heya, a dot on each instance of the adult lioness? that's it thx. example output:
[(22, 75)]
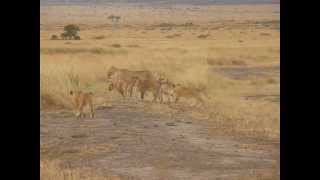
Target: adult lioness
[(122, 85), (80, 100), (190, 92), (143, 75), (127, 78), (151, 85), (166, 89)]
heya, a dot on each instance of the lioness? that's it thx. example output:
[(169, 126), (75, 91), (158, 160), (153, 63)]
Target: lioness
[(80, 100), (151, 85), (122, 85), (166, 88), (127, 78), (190, 92)]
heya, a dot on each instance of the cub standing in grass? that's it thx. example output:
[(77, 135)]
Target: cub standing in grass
[(81, 100)]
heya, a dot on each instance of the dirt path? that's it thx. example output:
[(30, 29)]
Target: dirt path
[(129, 141)]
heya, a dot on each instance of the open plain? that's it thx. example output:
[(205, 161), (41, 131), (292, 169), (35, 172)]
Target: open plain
[(234, 50)]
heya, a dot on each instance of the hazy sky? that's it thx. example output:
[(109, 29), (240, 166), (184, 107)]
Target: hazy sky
[(159, 1)]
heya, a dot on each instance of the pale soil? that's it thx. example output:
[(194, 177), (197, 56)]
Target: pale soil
[(131, 141)]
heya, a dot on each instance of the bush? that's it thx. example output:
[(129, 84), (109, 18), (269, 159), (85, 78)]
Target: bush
[(116, 45), (99, 37), (54, 37), (203, 36), (77, 38), (64, 36), (70, 31)]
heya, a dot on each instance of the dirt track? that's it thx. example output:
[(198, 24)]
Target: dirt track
[(130, 141)]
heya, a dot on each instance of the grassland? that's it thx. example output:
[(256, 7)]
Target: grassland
[(233, 50), (239, 36)]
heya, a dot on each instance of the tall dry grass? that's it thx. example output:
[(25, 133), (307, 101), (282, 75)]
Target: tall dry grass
[(61, 73)]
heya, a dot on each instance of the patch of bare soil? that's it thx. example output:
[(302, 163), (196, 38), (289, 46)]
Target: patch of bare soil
[(240, 73), (134, 142)]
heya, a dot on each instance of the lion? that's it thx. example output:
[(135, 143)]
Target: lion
[(190, 92), (145, 74), (81, 100), (126, 79), (166, 88), (123, 84), (145, 85)]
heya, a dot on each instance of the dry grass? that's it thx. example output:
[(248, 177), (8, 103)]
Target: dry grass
[(187, 60), (225, 62), (99, 37), (82, 50), (51, 170), (203, 36), (116, 45)]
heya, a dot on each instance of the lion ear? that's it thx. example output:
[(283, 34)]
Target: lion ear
[(71, 92)]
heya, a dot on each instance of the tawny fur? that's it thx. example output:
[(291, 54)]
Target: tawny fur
[(190, 92), (125, 80), (80, 100), (166, 89)]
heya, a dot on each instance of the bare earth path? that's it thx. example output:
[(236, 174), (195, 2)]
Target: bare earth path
[(128, 141)]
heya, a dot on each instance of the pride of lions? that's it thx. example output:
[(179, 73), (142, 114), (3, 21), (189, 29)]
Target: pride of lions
[(128, 82)]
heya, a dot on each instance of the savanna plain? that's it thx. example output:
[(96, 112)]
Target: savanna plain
[(232, 50)]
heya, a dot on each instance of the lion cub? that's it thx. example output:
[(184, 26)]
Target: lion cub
[(80, 100)]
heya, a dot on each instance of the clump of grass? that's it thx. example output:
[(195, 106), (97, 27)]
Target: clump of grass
[(165, 25), (203, 36), (225, 62), (263, 81), (173, 36), (265, 34), (133, 45), (271, 81), (100, 37), (166, 29), (116, 45), (188, 24), (149, 28)]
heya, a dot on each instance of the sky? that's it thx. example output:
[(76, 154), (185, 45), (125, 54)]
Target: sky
[(159, 1)]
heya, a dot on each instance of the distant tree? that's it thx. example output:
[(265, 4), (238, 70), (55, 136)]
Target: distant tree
[(114, 19), (71, 31), (64, 36)]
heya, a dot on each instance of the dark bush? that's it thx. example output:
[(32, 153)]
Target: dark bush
[(54, 37)]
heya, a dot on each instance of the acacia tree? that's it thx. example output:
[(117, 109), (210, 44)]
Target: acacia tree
[(71, 31)]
